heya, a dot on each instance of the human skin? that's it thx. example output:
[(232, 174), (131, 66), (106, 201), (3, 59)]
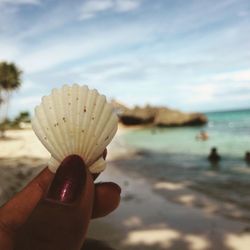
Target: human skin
[(54, 210)]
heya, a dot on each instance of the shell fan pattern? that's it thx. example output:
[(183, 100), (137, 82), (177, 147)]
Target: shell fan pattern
[(75, 120)]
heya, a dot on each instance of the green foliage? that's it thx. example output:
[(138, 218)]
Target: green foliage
[(22, 117), (10, 76), (10, 80), (6, 124)]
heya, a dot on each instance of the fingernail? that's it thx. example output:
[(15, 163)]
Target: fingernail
[(116, 186), (69, 180)]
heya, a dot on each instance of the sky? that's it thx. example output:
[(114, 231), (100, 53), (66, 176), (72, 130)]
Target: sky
[(192, 55)]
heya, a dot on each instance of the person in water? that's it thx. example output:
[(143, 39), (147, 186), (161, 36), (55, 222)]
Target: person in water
[(203, 136), (54, 210), (214, 157), (247, 157)]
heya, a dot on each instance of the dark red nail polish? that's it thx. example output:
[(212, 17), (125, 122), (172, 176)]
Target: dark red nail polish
[(69, 180)]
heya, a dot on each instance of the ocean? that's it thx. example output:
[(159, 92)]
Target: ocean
[(228, 131)]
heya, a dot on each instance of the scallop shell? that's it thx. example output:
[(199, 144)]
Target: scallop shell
[(75, 120)]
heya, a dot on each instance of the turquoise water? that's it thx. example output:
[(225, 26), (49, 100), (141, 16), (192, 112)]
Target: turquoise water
[(228, 131)]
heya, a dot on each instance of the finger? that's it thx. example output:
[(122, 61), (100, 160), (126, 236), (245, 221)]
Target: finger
[(60, 221), (15, 212), (106, 200)]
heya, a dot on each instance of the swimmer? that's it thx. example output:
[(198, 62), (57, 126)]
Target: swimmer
[(247, 157), (203, 136), (214, 156)]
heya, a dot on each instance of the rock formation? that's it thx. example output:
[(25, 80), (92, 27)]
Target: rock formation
[(160, 116)]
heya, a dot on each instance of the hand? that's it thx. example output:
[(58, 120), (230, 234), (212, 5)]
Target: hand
[(53, 211)]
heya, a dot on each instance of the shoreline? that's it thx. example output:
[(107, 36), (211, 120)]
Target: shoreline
[(146, 219), (228, 192), (227, 189), (158, 210)]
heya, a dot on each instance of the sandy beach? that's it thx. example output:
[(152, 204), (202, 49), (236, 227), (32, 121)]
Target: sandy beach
[(180, 210)]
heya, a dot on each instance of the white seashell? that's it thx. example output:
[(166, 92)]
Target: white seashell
[(75, 120)]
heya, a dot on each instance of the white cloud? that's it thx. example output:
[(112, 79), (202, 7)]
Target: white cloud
[(241, 75), (18, 2), (127, 5), (8, 50), (162, 56), (80, 46), (91, 8), (10, 22), (202, 93)]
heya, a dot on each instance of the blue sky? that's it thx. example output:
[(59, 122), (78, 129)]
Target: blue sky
[(192, 55)]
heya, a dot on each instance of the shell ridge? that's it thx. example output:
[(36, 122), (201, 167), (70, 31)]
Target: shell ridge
[(47, 135), (51, 115), (87, 123), (105, 121), (51, 128), (77, 118), (69, 107), (102, 137), (39, 133), (84, 122), (64, 127), (56, 104), (83, 91), (56, 124), (39, 121), (52, 164), (92, 108), (99, 149), (73, 110), (97, 116), (105, 137), (103, 117), (68, 121), (98, 165)]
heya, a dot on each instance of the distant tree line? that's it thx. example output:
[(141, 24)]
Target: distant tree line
[(10, 80)]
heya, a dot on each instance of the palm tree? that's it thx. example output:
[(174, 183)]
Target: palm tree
[(10, 80)]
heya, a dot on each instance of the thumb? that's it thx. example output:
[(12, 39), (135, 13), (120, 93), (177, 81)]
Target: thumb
[(61, 219)]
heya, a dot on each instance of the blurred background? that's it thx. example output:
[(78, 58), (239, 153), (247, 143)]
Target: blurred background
[(178, 76)]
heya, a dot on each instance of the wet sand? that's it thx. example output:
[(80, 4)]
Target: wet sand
[(147, 219), (183, 210)]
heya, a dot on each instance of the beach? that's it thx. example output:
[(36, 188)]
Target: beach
[(178, 208)]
